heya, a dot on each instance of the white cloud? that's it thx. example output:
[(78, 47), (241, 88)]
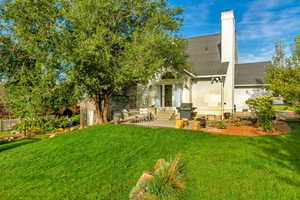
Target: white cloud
[(198, 15), (263, 23), (263, 19)]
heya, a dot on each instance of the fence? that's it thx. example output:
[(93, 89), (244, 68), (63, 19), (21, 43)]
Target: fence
[(7, 124)]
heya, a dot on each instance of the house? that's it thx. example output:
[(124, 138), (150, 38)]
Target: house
[(216, 83)]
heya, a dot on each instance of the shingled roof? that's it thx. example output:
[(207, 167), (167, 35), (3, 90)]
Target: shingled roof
[(250, 73), (204, 55)]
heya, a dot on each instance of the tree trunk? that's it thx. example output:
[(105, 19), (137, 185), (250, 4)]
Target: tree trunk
[(102, 108)]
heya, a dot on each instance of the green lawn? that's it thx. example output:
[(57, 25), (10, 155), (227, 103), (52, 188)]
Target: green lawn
[(4, 132), (105, 162), (285, 107)]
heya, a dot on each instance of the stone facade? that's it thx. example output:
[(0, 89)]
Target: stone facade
[(125, 99)]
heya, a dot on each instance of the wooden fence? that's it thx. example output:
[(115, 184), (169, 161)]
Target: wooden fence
[(7, 124)]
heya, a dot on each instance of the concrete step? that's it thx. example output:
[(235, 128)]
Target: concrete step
[(164, 115)]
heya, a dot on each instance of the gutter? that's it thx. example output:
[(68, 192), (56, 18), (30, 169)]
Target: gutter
[(251, 85), (203, 76)]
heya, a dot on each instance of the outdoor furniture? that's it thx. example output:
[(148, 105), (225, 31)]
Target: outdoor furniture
[(196, 125), (179, 124), (136, 115), (202, 121), (227, 115), (186, 111), (185, 122)]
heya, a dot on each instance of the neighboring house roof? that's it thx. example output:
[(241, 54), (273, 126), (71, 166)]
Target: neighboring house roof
[(250, 73), (204, 55)]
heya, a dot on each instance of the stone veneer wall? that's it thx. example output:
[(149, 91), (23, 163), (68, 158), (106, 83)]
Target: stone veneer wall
[(126, 99)]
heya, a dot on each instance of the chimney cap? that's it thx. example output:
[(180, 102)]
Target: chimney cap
[(228, 14)]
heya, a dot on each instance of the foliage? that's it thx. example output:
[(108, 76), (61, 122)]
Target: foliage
[(262, 106), (167, 183), (285, 107), (283, 76), (75, 118), (221, 125), (99, 46), (42, 124), (33, 88)]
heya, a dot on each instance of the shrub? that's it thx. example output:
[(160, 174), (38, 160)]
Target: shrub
[(75, 118), (41, 124), (238, 124), (262, 106), (221, 125)]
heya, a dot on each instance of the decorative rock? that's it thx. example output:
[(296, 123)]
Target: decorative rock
[(138, 192), (73, 128), (146, 177)]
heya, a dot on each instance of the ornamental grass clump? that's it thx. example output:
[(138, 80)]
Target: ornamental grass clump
[(164, 182), (262, 106), (167, 183)]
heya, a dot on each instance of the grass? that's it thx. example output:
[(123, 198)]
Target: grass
[(104, 162), (286, 107), (4, 132)]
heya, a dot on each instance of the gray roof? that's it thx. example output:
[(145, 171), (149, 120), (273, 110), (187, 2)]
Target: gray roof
[(204, 55), (250, 73)]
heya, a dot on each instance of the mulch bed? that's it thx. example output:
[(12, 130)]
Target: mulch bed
[(281, 127)]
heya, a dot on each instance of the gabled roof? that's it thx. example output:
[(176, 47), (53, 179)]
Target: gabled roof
[(250, 73), (204, 55)]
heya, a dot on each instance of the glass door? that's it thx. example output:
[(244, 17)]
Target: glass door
[(168, 95)]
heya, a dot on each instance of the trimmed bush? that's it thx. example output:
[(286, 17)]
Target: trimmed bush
[(262, 106)]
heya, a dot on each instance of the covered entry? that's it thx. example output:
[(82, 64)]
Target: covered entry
[(168, 95)]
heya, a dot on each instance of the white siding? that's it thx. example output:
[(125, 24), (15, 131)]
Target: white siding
[(206, 97), (241, 95), (186, 92)]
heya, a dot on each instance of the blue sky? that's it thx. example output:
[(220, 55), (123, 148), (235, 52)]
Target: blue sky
[(259, 23)]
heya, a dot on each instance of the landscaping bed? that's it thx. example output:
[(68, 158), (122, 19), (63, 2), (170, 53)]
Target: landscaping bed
[(281, 127)]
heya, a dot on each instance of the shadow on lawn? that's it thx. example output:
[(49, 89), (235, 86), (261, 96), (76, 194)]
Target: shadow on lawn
[(284, 151), (10, 145)]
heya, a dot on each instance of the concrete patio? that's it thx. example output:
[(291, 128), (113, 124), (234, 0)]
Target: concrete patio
[(244, 130), (159, 124)]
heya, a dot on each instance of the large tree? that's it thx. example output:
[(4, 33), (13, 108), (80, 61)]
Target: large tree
[(33, 89), (283, 76), (99, 45)]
